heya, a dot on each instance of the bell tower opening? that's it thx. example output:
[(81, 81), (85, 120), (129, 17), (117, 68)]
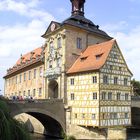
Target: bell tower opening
[(53, 89), (78, 7)]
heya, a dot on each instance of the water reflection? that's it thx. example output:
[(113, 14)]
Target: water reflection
[(42, 137)]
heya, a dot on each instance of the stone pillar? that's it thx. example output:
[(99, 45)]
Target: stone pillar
[(117, 133)]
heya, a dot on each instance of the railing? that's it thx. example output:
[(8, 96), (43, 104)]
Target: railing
[(36, 101), (52, 72)]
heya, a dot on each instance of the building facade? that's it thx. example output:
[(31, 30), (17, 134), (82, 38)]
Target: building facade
[(25, 78), (82, 65)]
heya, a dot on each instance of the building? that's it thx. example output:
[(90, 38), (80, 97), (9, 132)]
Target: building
[(25, 78), (84, 66)]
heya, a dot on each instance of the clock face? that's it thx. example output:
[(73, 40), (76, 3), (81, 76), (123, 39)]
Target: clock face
[(52, 27)]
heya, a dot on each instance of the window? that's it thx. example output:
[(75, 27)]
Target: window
[(93, 116), (34, 73), (41, 71), (120, 68), (94, 79), (109, 95), (28, 92), (111, 115), (98, 56), (40, 92), (126, 96), (103, 95), (72, 81), (111, 67), (104, 116), (105, 79), (59, 43), (115, 115), (24, 76), (19, 93), (83, 58), (51, 48), (72, 96), (58, 62), (75, 116), (94, 95), (29, 75), (79, 43), (83, 115), (115, 56), (50, 64), (34, 92), (20, 78), (125, 81), (24, 93), (115, 80), (118, 96), (125, 115)]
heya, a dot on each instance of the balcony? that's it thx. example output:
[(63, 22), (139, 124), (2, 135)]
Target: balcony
[(52, 73)]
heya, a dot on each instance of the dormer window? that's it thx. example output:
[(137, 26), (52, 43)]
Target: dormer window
[(98, 56), (83, 58)]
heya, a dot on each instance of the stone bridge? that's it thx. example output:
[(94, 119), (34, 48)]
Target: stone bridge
[(135, 110), (50, 113)]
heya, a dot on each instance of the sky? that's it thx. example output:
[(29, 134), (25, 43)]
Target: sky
[(22, 22)]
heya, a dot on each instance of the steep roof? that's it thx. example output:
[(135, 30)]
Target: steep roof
[(93, 58)]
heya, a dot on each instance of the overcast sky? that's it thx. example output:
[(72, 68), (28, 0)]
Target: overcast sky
[(22, 22)]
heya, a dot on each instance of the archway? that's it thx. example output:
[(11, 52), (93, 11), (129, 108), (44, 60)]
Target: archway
[(53, 89), (51, 126)]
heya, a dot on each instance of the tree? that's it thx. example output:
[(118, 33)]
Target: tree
[(136, 87), (11, 129)]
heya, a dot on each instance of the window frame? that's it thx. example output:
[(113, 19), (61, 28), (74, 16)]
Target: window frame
[(105, 79), (72, 81), (110, 96), (72, 96), (94, 95), (94, 79), (79, 43), (115, 80)]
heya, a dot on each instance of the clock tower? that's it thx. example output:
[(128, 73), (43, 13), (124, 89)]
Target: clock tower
[(78, 7)]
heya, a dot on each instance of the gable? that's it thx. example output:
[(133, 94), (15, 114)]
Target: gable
[(52, 27), (116, 63)]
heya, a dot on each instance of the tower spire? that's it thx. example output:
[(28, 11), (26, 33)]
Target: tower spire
[(77, 7)]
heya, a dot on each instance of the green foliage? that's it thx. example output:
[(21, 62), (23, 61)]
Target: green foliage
[(136, 87), (68, 137), (10, 129)]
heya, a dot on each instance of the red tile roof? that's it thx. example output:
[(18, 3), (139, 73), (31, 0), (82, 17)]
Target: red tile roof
[(33, 54), (27, 60), (93, 58)]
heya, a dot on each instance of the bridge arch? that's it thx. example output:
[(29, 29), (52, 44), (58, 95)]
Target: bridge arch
[(50, 114)]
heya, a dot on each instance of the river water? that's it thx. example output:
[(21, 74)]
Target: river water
[(131, 136), (42, 137)]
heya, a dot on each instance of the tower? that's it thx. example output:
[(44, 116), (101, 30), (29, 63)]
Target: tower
[(78, 7)]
